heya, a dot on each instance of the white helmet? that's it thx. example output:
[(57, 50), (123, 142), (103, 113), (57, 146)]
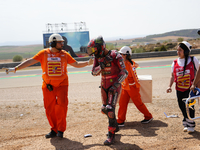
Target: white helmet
[(55, 37), (125, 50), (187, 44)]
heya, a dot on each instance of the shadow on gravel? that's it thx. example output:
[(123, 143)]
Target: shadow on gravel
[(146, 130), (195, 135), (118, 145), (66, 144)]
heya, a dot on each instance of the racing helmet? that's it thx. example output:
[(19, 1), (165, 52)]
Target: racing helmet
[(125, 50), (54, 38), (96, 45)]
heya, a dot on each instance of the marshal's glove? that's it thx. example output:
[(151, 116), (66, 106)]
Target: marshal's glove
[(10, 70)]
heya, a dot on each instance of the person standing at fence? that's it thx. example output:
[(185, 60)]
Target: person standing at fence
[(68, 48), (183, 73), (54, 63), (131, 89)]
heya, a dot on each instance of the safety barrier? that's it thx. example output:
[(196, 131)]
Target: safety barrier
[(133, 56)]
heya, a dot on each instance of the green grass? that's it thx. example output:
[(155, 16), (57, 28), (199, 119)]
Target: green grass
[(8, 52), (11, 55)]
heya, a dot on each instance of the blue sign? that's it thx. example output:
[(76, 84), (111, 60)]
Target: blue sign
[(77, 40)]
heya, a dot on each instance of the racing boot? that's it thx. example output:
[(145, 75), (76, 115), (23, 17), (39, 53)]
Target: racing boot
[(111, 136), (116, 130)]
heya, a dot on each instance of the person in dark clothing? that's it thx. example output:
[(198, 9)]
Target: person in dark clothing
[(68, 48)]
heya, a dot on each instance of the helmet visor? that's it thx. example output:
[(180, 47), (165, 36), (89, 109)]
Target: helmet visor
[(90, 50)]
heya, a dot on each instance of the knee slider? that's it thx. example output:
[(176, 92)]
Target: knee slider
[(111, 115), (109, 109)]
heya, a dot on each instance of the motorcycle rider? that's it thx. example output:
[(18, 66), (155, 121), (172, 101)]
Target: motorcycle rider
[(108, 63)]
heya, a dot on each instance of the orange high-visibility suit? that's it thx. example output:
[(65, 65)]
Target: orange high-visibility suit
[(131, 89), (54, 72)]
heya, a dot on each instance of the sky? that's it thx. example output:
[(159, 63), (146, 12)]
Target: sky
[(26, 20)]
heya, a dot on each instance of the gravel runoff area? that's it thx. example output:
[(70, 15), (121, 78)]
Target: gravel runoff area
[(23, 123)]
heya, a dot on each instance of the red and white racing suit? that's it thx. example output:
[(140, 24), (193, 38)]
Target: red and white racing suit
[(113, 72)]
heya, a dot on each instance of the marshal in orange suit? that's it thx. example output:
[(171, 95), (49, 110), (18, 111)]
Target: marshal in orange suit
[(131, 89), (54, 63)]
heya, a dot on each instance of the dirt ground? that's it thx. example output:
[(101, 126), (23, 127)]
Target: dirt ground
[(23, 123)]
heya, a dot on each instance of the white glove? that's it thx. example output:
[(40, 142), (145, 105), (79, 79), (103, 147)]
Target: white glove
[(10, 70), (91, 61)]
